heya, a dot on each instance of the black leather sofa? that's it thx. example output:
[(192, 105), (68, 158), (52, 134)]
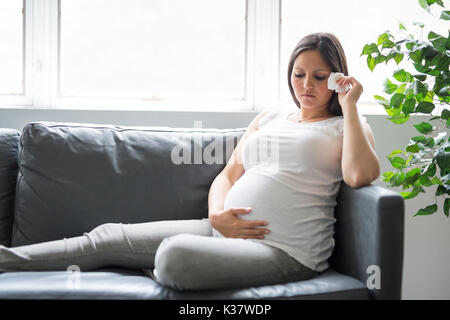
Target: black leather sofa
[(62, 179)]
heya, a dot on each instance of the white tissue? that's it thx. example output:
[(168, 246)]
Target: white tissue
[(332, 84)]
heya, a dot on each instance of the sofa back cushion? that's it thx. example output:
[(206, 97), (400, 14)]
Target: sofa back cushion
[(9, 141), (74, 177)]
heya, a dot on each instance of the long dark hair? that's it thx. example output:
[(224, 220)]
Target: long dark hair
[(331, 50)]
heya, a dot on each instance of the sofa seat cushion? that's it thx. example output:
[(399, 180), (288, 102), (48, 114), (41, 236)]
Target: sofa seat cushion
[(132, 284)]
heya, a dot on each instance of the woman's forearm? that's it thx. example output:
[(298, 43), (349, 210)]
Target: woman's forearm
[(217, 193)]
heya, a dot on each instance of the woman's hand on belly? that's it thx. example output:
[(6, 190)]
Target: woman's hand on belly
[(228, 223)]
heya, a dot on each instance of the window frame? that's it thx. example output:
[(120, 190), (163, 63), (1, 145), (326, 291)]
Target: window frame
[(24, 98)]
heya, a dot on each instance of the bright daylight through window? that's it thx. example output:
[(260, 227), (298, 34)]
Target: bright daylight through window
[(209, 55)]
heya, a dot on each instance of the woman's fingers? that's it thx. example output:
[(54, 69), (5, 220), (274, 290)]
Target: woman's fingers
[(256, 232), (238, 211), (247, 229), (254, 223)]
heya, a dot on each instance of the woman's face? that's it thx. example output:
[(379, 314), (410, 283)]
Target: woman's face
[(309, 79)]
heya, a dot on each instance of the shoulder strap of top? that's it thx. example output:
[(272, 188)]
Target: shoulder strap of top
[(269, 115)]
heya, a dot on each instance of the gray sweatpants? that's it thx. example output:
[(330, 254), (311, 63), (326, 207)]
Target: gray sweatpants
[(181, 254)]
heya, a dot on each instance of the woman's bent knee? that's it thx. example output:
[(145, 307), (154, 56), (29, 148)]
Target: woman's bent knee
[(108, 236), (176, 263)]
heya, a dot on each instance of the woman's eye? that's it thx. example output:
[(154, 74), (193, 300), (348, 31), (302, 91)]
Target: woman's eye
[(302, 75)]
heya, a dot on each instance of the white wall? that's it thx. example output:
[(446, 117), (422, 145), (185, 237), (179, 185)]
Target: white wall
[(426, 255)]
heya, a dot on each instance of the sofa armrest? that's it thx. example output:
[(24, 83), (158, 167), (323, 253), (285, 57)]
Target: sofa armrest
[(369, 232), (9, 142)]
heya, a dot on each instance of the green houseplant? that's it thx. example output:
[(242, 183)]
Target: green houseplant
[(425, 161)]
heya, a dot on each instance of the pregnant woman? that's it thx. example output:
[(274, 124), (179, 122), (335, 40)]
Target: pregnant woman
[(271, 207)]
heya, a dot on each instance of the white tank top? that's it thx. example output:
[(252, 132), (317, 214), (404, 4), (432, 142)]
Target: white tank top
[(291, 179)]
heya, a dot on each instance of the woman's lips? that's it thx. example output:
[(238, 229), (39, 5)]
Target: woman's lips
[(308, 96)]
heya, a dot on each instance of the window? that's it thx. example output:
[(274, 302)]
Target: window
[(210, 55), (11, 48), (171, 49)]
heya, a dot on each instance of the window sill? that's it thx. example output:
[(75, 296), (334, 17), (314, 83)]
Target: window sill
[(363, 108)]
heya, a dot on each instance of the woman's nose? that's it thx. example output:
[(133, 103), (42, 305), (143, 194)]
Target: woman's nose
[(307, 83)]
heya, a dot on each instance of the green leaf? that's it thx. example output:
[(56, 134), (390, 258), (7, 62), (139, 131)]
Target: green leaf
[(371, 62), (416, 56), (413, 148), (398, 57), (393, 153), (424, 4), (440, 44), (419, 138), (425, 182), (440, 61), (412, 176), (427, 210), (443, 159), (445, 114), (397, 100), (421, 68), (386, 177), (430, 171), (421, 77), (396, 162), (369, 49), (445, 15), (408, 106), (401, 88), (419, 87), (409, 93), (433, 36), (388, 44), (401, 75), (443, 189), (399, 119), (429, 142), (397, 179), (412, 194), (410, 44), (391, 55), (424, 107), (379, 58), (382, 38), (437, 40), (436, 180), (389, 87), (446, 206), (423, 127), (381, 100)]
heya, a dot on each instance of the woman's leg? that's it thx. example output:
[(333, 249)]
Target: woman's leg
[(192, 262), (110, 244)]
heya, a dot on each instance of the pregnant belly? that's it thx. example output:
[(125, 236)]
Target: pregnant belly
[(269, 199), (298, 221)]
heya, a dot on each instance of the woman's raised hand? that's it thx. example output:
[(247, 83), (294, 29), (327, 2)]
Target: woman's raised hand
[(228, 223), (350, 97)]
